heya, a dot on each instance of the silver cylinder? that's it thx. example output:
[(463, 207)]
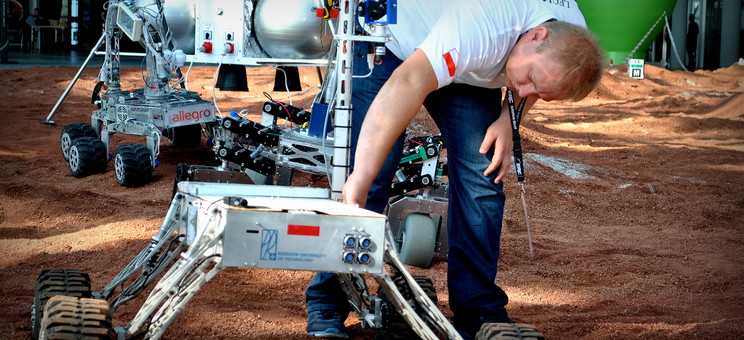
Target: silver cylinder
[(290, 29)]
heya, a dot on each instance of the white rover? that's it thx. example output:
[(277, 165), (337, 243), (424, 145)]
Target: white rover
[(212, 226)]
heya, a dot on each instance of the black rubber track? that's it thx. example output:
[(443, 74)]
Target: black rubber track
[(508, 331), (132, 165), (394, 326), (67, 317), (55, 282)]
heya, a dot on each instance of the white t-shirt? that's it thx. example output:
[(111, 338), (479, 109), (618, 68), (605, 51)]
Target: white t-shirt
[(468, 41)]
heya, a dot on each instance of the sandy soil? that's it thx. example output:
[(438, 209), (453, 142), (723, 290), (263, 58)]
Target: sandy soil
[(635, 201)]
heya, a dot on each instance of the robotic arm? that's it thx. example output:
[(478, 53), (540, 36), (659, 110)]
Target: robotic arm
[(143, 22)]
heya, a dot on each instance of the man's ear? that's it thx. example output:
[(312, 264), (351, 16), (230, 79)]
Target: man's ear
[(538, 34)]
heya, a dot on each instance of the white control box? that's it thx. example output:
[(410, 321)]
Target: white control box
[(129, 22)]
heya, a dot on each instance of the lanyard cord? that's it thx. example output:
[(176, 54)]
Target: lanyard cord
[(515, 113)]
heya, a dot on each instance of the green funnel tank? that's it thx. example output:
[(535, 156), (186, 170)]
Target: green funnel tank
[(621, 24)]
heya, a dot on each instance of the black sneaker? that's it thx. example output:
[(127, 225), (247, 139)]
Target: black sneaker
[(326, 323)]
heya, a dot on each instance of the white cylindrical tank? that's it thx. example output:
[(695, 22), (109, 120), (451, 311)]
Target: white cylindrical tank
[(290, 29)]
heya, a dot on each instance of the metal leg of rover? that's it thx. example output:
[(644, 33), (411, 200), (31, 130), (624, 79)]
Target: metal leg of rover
[(211, 226)]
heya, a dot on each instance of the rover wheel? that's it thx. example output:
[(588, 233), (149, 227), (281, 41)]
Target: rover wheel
[(508, 331), (132, 165), (394, 326), (68, 317), (182, 174), (419, 236), (184, 136), (96, 96), (72, 132), (87, 156), (53, 282)]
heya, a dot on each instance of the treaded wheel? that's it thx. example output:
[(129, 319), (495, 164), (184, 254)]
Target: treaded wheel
[(68, 317), (508, 331), (132, 165), (87, 156), (72, 132), (54, 282), (182, 174), (394, 326), (419, 234), (184, 136)]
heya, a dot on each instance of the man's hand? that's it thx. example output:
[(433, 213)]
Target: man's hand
[(498, 136), (356, 189)]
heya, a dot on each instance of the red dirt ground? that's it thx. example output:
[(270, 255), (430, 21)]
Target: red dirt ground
[(635, 201)]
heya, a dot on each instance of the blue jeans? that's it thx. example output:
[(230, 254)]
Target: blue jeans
[(476, 204), (463, 113), (324, 291)]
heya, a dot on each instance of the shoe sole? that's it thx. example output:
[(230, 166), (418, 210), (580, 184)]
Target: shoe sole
[(330, 333)]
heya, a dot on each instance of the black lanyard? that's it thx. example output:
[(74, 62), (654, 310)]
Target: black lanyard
[(515, 113)]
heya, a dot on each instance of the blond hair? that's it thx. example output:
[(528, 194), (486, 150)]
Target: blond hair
[(577, 50)]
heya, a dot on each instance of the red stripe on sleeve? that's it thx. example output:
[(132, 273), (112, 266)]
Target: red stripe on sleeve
[(450, 63)]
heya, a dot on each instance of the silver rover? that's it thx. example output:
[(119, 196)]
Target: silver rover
[(212, 226)]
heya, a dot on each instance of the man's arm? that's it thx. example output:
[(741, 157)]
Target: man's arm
[(499, 136), (393, 108)]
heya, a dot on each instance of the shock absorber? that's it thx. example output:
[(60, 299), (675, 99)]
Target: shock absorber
[(379, 31)]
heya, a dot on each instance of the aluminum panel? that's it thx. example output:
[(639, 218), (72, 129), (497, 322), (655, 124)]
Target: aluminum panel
[(302, 241)]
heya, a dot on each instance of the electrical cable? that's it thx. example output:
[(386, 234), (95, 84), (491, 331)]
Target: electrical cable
[(286, 85), (413, 141), (185, 78), (289, 114)]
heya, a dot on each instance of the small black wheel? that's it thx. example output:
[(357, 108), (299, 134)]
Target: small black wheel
[(394, 326), (419, 237), (72, 132), (508, 331), (53, 282), (185, 136), (87, 156), (133, 165), (96, 97), (182, 174), (68, 317)]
